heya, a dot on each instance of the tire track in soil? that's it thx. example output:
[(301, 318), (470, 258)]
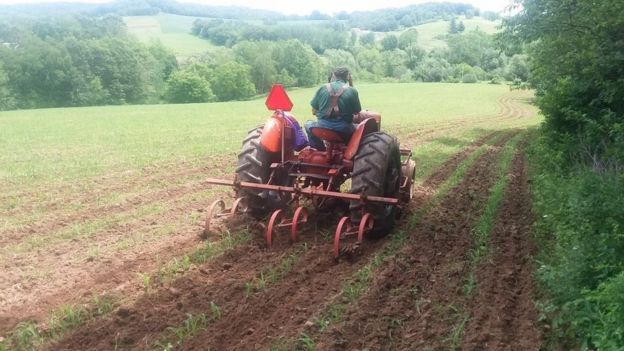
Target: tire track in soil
[(503, 316), (315, 277), (511, 109), (406, 306)]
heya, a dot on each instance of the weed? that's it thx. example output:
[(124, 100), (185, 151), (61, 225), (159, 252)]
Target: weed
[(457, 333), (305, 342), (280, 345), (25, 336), (190, 327), (469, 285), (146, 281), (215, 311), (249, 289), (102, 305)]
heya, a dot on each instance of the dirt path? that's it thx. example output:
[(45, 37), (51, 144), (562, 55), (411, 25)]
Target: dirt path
[(246, 319), (411, 303), (502, 313)]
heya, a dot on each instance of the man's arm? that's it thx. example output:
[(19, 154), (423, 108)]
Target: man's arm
[(315, 101), (356, 102)]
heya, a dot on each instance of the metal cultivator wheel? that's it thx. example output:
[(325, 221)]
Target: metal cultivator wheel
[(347, 230)]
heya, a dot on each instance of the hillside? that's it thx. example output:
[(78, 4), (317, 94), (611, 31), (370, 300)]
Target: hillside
[(174, 31), (431, 35)]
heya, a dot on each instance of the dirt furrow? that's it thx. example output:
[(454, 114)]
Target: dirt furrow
[(502, 313), (59, 220), (57, 198), (285, 308), (247, 319), (410, 304), (68, 275)]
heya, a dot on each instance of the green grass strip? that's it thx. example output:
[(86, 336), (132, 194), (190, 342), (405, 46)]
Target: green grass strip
[(483, 226), (28, 335), (276, 273), (180, 265), (191, 326)]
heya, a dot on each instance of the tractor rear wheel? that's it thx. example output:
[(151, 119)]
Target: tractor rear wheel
[(376, 172), (254, 166)]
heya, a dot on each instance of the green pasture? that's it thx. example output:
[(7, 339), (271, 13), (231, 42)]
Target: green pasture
[(63, 144), (432, 35), (173, 31)]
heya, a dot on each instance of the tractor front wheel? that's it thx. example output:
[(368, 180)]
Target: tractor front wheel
[(376, 172)]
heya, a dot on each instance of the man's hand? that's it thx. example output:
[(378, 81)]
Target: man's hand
[(357, 118)]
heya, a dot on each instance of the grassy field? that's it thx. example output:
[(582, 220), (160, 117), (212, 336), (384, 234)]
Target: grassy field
[(431, 35), (71, 143), (102, 212), (173, 31)]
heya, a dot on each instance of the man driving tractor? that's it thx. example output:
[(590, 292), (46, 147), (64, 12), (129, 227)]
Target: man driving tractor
[(334, 105)]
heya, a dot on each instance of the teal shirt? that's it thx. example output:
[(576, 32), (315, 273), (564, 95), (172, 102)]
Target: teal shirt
[(348, 102)]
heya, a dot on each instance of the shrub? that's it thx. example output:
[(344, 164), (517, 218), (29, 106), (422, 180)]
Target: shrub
[(580, 228), (469, 78)]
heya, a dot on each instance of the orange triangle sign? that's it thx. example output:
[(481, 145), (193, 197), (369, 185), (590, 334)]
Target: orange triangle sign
[(278, 99)]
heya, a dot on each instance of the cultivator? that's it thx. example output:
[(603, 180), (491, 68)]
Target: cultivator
[(272, 178)]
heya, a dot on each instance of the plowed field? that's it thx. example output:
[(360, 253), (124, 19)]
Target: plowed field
[(119, 261)]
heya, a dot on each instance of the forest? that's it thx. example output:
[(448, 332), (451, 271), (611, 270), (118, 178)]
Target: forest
[(87, 57)]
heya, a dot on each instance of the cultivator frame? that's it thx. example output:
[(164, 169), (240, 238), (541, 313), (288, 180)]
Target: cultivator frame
[(279, 219)]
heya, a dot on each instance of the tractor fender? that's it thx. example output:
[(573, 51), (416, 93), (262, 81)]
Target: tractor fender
[(365, 127), (271, 138)]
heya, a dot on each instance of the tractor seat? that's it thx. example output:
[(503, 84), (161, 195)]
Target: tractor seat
[(328, 135)]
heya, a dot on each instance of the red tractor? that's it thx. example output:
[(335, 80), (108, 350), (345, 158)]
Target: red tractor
[(272, 177)]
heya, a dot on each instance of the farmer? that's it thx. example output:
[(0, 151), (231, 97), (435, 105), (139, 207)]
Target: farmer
[(334, 105)]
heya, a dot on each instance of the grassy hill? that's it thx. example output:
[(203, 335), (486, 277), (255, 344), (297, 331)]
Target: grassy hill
[(431, 35), (173, 31)]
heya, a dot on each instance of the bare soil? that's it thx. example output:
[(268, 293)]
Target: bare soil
[(415, 298), (503, 315), (258, 319)]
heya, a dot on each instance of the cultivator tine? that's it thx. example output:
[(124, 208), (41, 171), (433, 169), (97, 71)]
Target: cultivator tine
[(218, 210), (278, 220), (346, 230)]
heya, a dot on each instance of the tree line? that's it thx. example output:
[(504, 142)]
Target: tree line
[(297, 54), (79, 61)]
